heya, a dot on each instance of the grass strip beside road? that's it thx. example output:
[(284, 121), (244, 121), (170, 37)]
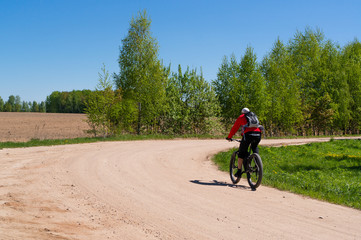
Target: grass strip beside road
[(52, 142), (128, 137), (329, 171)]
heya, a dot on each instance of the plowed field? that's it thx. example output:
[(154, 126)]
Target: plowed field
[(21, 127)]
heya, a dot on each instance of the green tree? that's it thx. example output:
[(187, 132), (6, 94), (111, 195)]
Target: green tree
[(329, 103), (35, 107), (76, 101), (203, 104), (7, 107), (176, 115), (10, 104), (17, 104), (42, 107), (1, 105), (222, 86), (67, 102), (229, 89), (284, 108), (351, 66), (52, 102), (25, 107), (192, 104), (254, 96), (240, 85), (313, 57), (104, 108), (142, 78)]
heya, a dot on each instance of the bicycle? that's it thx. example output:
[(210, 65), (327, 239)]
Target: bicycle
[(252, 166)]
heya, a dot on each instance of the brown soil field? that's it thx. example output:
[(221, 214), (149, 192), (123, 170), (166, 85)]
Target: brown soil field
[(22, 127)]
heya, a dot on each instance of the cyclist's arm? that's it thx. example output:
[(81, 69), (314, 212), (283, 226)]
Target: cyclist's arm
[(241, 120)]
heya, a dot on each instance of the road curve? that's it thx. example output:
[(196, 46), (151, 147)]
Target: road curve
[(165, 189)]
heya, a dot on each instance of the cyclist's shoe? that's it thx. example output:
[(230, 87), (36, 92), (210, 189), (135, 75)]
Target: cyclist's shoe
[(238, 173)]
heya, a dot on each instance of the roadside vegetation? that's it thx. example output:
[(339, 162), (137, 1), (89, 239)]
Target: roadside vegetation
[(125, 137), (329, 171), (306, 86)]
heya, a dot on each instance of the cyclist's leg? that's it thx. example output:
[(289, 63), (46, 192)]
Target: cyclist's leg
[(243, 151), (255, 138), (243, 147)]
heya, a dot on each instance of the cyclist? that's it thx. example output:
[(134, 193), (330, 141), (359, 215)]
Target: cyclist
[(251, 135)]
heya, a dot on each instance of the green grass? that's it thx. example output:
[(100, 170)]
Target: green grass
[(329, 171), (36, 142), (128, 137)]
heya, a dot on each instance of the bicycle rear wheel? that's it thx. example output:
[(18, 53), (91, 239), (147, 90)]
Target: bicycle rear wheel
[(254, 170), (233, 168)]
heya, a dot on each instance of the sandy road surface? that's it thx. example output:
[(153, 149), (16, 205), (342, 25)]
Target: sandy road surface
[(151, 190)]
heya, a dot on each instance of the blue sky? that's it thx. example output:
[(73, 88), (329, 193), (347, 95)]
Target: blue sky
[(61, 45)]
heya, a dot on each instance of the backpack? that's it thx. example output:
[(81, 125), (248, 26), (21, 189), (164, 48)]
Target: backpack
[(252, 120)]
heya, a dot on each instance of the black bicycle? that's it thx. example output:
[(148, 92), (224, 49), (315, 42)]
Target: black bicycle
[(252, 166)]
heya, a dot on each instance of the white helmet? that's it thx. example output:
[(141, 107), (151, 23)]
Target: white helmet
[(245, 110)]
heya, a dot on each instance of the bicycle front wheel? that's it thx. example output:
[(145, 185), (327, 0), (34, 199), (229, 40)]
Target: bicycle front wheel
[(254, 170), (233, 168)]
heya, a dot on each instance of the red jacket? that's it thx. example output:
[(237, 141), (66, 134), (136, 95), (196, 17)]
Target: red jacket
[(241, 121)]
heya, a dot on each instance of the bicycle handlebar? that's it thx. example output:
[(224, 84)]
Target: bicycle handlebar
[(237, 140)]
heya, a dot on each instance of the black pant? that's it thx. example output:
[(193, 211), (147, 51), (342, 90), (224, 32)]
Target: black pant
[(249, 138)]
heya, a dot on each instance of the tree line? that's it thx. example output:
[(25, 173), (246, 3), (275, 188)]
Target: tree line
[(14, 104), (309, 85), (67, 102), (148, 97), (56, 102)]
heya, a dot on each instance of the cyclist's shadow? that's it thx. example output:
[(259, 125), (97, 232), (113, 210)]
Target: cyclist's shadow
[(217, 183)]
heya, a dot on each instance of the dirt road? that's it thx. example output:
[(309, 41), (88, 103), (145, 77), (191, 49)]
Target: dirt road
[(151, 190)]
